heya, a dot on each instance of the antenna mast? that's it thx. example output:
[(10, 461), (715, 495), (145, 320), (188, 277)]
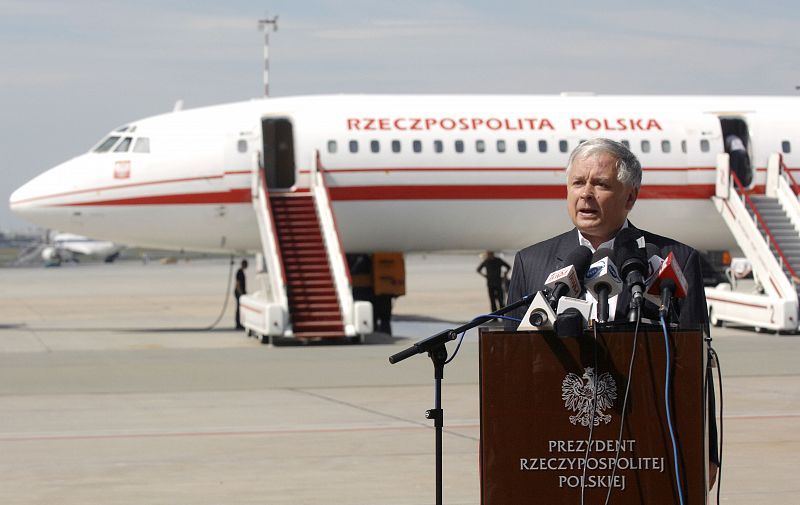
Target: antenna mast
[(266, 25)]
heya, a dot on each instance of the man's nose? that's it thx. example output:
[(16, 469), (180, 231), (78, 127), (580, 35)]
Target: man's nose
[(588, 191)]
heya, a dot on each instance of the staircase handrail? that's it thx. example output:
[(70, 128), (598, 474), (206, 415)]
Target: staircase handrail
[(752, 208), (792, 181), (269, 241), (333, 241)]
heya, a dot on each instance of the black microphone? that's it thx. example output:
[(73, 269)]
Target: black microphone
[(603, 281), (632, 260), (569, 279), (668, 288)]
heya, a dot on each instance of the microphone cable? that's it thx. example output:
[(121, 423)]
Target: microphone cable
[(464, 333), (721, 411), (669, 414), (625, 402)]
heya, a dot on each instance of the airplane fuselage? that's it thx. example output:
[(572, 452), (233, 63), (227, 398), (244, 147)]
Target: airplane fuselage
[(405, 173)]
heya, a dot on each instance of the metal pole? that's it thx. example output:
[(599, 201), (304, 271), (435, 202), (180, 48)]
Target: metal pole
[(265, 24)]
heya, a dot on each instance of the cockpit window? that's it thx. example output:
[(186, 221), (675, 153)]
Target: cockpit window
[(123, 146), (106, 145), (122, 129), (142, 145)]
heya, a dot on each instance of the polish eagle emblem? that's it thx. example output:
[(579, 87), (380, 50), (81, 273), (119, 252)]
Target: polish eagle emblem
[(579, 395)]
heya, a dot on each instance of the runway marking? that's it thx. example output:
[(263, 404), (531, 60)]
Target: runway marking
[(406, 425), (224, 433)]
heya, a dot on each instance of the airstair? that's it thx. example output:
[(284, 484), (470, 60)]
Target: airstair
[(767, 229), (306, 289)]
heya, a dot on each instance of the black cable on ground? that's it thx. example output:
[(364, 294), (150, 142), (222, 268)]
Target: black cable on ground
[(225, 303)]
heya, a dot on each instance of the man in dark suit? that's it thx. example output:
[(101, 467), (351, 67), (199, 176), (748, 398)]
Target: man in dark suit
[(603, 180)]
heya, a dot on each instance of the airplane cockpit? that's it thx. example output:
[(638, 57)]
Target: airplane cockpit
[(123, 139)]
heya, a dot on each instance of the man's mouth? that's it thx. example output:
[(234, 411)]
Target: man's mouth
[(587, 212)]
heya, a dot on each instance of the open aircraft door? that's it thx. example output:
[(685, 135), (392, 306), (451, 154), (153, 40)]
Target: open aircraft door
[(278, 152)]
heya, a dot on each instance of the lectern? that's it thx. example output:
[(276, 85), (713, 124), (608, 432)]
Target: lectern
[(551, 411)]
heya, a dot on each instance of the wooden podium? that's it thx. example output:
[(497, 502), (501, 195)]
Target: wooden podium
[(537, 390)]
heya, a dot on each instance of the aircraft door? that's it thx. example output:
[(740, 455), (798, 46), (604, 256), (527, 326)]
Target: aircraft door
[(736, 139), (278, 152)]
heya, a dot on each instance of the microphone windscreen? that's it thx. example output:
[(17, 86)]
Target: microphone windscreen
[(629, 237), (580, 258), (629, 256), (602, 253)]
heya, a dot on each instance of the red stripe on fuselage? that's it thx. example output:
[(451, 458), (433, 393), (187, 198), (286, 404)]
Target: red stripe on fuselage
[(388, 193), (241, 195)]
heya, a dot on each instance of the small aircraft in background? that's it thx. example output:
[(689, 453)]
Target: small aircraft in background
[(57, 247)]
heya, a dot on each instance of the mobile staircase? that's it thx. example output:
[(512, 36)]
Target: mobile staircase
[(306, 291), (767, 229)]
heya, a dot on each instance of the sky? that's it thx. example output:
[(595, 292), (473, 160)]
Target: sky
[(72, 71)]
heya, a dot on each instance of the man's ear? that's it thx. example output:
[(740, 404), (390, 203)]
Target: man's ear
[(633, 194)]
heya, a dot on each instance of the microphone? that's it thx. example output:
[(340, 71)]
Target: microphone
[(669, 282), (567, 280), (539, 316), (654, 263), (631, 256), (603, 281)]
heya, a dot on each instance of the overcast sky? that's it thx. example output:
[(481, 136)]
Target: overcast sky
[(71, 71)]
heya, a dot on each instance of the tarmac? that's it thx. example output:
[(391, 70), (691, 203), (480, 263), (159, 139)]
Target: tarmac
[(112, 392)]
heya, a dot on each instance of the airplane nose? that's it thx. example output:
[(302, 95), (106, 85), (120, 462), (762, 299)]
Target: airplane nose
[(18, 199)]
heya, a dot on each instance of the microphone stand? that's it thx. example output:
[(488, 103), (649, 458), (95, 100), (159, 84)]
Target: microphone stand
[(437, 352)]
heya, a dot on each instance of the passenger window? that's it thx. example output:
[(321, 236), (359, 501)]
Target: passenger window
[(438, 146), (374, 146), (142, 145), (501, 146), (645, 146), (417, 146), (332, 146), (522, 146), (683, 146), (563, 146), (354, 146), (395, 146), (786, 147), (106, 145), (480, 146), (705, 146), (241, 146), (665, 146), (124, 145), (459, 146), (625, 143), (542, 146)]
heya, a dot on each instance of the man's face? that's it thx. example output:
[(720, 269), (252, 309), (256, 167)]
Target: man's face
[(596, 201)]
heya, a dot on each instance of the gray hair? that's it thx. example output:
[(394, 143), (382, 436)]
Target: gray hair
[(629, 170)]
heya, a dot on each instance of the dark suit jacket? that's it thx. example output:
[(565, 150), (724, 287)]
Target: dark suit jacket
[(533, 264)]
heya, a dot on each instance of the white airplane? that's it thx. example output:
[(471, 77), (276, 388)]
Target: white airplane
[(68, 246), (403, 173)]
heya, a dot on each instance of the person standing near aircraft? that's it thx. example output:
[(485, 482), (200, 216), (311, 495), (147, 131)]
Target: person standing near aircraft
[(239, 290), (495, 274), (740, 161), (603, 181)]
